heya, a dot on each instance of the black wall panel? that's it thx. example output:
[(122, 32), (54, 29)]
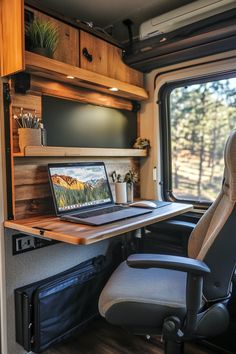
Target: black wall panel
[(76, 124)]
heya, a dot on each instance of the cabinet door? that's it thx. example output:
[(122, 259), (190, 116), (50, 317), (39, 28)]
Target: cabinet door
[(68, 46), (94, 53), (12, 36), (104, 58)]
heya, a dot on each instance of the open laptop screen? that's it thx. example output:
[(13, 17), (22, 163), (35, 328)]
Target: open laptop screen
[(79, 186)]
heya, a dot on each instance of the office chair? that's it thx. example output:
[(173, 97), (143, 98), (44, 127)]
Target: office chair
[(181, 298)]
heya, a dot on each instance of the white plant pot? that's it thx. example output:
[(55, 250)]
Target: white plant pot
[(121, 192)]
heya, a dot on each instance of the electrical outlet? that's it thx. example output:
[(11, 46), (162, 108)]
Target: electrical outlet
[(25, 243)]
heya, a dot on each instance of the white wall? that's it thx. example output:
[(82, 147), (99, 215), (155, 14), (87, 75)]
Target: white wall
[(39, 264)]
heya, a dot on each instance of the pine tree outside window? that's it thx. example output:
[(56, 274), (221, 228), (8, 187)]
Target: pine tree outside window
[(200, 116)]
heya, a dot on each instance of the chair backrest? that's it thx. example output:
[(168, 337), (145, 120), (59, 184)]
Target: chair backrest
[(213, 240)]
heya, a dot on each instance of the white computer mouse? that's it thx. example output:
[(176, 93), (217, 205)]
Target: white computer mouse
[(144, 204)]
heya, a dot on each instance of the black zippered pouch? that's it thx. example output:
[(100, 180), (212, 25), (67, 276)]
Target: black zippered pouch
[(54, 308)]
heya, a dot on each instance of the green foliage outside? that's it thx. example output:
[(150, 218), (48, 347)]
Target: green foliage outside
[(67, 197), (201, 115)]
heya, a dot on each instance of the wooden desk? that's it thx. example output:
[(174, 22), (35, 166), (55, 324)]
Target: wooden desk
[(52, 227)]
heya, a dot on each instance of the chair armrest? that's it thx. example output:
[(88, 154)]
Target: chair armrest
[(195, 270), (183, 264)]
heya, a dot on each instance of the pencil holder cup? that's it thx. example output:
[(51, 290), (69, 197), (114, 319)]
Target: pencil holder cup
[(121, 192), (29, 137)]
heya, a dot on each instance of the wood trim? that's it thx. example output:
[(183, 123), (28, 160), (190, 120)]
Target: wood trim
[(56, 89), (55, 70), (12, 36), (18, 154), (42, 151), (28, 102), (77, 234)]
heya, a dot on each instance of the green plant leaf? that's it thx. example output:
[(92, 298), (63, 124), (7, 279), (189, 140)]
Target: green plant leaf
[(43, 34)]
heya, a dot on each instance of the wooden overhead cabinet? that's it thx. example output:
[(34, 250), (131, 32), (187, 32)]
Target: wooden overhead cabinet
[(81, 59), (104, 58)]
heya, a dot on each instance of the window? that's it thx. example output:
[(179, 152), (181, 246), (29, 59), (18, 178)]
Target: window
[(198, 117)]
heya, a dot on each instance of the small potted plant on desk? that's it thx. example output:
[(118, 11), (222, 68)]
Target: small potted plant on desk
[(43, 37), (131, 177)]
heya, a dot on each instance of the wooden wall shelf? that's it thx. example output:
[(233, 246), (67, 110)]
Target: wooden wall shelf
[(58, 71), (42, 151)]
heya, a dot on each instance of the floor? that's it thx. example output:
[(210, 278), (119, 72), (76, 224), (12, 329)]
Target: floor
[(102, 338)]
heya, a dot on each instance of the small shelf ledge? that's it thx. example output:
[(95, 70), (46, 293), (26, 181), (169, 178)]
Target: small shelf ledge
[(56, 70), (43, 151), (18, 154)]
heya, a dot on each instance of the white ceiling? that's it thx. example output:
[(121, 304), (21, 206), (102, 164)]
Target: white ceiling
[(105, 13)]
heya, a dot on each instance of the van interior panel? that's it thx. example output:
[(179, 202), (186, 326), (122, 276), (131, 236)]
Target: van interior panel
[(147, 88)]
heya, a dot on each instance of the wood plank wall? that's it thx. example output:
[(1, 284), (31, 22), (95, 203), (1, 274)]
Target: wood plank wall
[(30, 103), (31, 192)]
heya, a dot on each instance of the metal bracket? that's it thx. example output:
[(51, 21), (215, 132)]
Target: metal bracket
[(136, 106), (6, 107)]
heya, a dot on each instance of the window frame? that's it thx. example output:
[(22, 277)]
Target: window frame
[(165, 133)]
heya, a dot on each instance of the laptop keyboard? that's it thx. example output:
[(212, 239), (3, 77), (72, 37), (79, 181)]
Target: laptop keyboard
[(91, 213)]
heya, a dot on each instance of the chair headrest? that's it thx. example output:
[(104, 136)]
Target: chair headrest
[(229, 182)]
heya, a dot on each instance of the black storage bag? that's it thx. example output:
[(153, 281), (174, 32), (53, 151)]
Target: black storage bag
[(52, 309)]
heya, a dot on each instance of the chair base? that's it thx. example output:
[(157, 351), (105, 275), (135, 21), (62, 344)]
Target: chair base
[(172, 347)]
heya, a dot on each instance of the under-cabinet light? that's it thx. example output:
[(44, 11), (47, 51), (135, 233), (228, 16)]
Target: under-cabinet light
[(70, 77), (114, 89), (163, 39)]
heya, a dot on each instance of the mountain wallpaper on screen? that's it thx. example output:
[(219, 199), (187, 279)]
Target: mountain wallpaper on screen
[(70, 191)]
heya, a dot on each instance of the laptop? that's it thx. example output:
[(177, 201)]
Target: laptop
[(82, 194)]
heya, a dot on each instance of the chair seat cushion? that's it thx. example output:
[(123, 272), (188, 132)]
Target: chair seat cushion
[(140, 299)]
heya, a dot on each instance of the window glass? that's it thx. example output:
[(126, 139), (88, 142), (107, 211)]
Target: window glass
[(201, 117)]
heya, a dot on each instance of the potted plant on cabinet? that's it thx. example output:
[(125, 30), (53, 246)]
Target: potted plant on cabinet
[(43, 37)]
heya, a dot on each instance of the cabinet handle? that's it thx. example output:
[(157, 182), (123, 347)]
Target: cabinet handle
[(86, 54)]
